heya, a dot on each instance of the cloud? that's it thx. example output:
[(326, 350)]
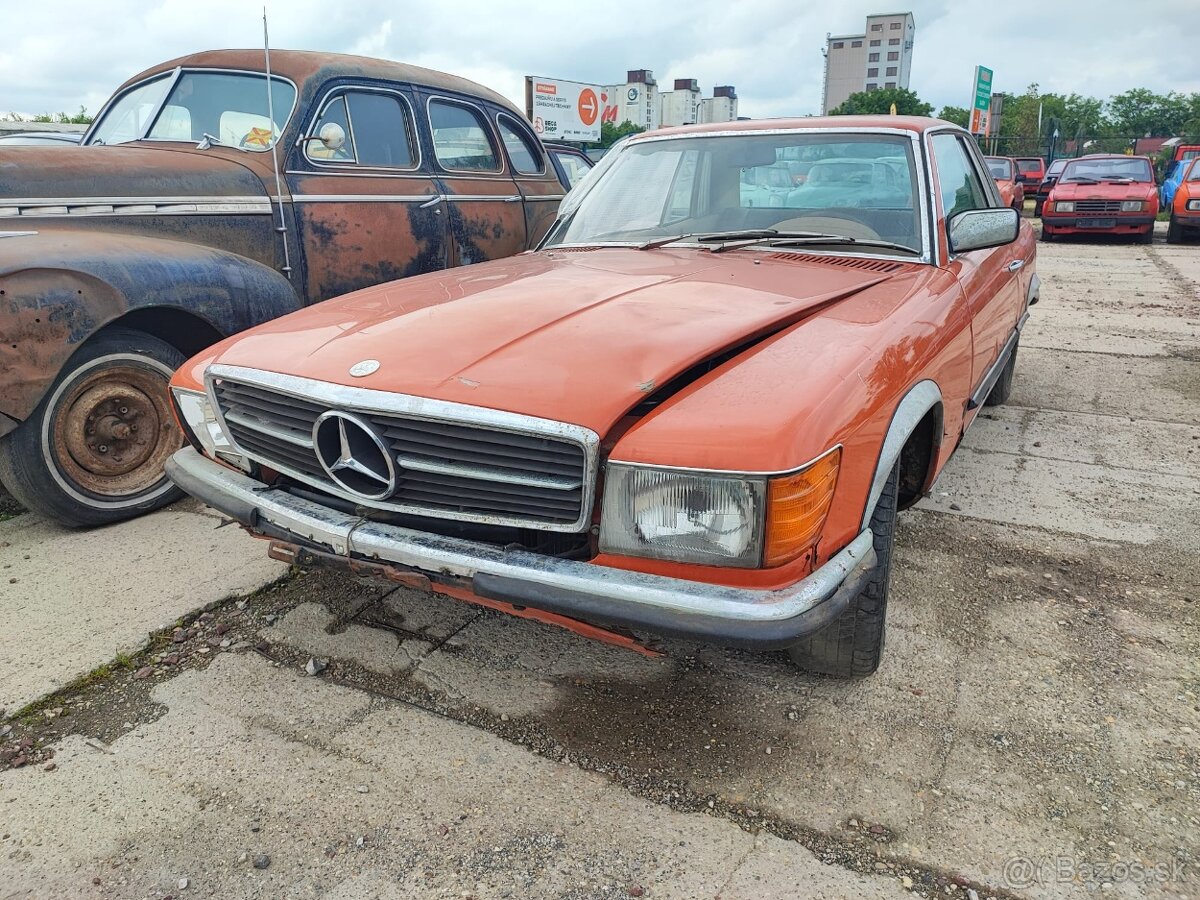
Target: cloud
[(60, 54)]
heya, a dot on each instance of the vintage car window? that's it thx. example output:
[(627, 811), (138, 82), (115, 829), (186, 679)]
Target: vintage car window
[(1194, 174), (959, 186), (1057, 166), (855, 185), (460, 138), (382, 136), (334, 114), (999, 168), (230, 106), (1108, 168), (128, 117), (1025, 166), (575, 167), (525, 157)]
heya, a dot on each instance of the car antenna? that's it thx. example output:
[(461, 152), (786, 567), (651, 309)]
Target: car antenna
[(281, 229)]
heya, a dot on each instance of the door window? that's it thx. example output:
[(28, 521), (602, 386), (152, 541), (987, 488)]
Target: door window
[(573, 165), (460, 138), (378, 127), (958, 183), (524, 156)]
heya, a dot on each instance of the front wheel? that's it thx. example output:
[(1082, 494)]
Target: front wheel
[(1037, 208), (1147, 238), (93, 450), (1174, 232), (851, 646)]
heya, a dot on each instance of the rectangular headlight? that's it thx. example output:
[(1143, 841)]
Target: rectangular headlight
[(1133, 205), (717, 518), (1193, 204), (200, 421), (683, 515), (1064, 206)]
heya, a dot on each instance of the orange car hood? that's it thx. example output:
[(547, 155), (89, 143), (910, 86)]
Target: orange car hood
[(577, 337), (1105, 190)]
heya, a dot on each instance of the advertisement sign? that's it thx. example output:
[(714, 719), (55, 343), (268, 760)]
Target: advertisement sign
[(564, 110), (982, 100)]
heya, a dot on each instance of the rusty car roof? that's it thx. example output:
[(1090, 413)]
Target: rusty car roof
[(302, 65), (904, 123)]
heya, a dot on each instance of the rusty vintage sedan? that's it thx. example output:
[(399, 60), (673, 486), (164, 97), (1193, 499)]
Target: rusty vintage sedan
[(208, 198), (683, 415)]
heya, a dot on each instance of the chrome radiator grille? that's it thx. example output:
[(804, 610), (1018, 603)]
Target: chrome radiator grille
[(1097, 206), (515, 471)]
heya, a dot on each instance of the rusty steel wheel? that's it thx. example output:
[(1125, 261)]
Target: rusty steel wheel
[(93, 451)]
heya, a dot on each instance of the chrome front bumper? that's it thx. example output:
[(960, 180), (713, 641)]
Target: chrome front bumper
[(735, 616)]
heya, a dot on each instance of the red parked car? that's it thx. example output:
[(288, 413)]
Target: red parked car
[(1004, 170), (1106, 194), (1030, 171)]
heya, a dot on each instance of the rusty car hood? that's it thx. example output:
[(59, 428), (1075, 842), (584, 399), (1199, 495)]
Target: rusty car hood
[(35, 173), (577, 337)]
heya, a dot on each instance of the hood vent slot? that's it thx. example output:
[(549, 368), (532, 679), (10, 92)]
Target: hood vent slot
[(863, 265)]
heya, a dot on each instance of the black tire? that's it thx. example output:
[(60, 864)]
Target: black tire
[(81, 474), (1037, 208), (1147, 238), (851, 646), (1002, 389), (1046, 236), (1174, 232)]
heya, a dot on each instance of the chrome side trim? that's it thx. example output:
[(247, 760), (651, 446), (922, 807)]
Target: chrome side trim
[(234, 492), (530, 197), (365, 400), (980, 394), (766, 473), (361, 198), (55, 207), (921, 398)]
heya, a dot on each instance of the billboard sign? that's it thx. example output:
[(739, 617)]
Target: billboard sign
[(564, 110), (982, 100)]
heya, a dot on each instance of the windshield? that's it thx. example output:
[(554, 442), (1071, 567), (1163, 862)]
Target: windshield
[(229, 106), (1029, 165), (1108, 168), (1000, 168), (860, 186)]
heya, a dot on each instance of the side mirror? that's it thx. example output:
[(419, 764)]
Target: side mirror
[(977, 229), (332, 136)]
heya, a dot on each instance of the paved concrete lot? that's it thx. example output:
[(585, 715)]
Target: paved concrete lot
[(1034, 730)]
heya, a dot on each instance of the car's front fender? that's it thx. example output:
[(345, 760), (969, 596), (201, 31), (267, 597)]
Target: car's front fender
[(59, 287)]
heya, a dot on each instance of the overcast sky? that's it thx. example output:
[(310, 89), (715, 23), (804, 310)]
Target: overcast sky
[(58, 54)]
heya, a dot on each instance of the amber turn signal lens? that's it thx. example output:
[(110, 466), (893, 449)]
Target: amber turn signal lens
[(796, 508)]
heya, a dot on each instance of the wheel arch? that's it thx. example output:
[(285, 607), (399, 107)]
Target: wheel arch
[(67, 287), (916, 425)]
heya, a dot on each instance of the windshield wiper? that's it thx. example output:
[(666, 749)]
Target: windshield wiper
[(1081, 179), (662, 242), (734, 239), (209, 139)]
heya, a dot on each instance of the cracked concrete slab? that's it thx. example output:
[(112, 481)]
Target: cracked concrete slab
[(379, 800), (71, 600)]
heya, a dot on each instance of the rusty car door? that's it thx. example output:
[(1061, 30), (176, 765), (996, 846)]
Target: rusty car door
[(989, 277), (369, 210), (483, 203), (533, 171)]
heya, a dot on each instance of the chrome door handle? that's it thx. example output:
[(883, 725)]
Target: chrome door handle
[(430, 203), (1015, 265)]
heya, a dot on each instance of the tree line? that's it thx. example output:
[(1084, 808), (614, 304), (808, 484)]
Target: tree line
[(1095, 125)]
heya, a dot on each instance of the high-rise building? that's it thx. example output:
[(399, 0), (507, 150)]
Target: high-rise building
[(879, 58), (640, 101)]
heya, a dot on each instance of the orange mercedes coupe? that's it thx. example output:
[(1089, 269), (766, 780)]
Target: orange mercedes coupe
[(686, 413)]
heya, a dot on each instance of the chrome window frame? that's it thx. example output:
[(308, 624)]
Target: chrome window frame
[(975, 157), (388, 403), (922, 191), (493, 139), (537, 145), (340, 168), (177, 73)]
